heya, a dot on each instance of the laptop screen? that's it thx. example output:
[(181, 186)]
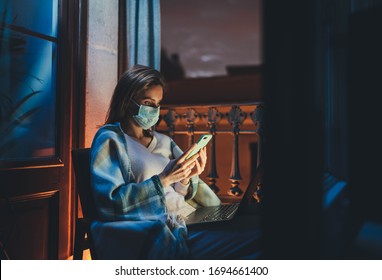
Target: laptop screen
[(255, 181)]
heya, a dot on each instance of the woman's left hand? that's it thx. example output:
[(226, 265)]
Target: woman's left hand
[(201, 162), (200, 165)]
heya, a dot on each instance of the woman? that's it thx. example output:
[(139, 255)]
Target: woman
[(141, 175)]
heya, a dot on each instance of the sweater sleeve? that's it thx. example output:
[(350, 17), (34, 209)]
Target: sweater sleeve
[(117, 196), (181, 189)]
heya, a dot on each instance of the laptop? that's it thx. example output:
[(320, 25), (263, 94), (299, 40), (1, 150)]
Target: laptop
[(226, 212)]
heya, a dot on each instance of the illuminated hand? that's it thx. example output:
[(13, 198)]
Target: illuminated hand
[(179, 170)]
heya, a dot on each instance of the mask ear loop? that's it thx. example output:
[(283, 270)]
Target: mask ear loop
[(132, 99), (129, 104), (136, 103)]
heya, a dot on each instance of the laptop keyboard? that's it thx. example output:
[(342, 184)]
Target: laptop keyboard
[(223, 212)]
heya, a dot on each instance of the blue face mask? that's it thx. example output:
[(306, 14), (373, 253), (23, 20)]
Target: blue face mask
[(147, 116)]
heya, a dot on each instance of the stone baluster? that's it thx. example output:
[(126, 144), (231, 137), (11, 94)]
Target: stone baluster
[(191, 117), (236, 117), (171, 118), (212, 118), (258, 116)]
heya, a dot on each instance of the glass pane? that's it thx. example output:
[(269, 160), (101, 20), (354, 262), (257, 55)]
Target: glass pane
[(213, 38), (28, 95), (34, 15)]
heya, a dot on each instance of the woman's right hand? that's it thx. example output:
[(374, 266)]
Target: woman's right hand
[(178, 169)]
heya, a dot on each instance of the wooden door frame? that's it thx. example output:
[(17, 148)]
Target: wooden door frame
[(78, 104)]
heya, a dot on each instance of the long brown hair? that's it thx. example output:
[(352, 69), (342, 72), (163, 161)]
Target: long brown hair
[(137, 79)]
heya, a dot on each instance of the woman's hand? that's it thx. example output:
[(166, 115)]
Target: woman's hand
[(179, 170), (200, 165)]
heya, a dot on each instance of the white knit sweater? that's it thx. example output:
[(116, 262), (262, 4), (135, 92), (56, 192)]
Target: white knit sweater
[(149, 161)]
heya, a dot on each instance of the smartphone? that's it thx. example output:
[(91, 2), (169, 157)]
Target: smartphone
[(202, 142)]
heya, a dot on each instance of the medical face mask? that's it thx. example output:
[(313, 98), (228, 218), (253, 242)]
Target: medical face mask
[(147, 116)]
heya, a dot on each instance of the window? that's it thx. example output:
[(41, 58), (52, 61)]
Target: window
[(28, 58), (213, 38)]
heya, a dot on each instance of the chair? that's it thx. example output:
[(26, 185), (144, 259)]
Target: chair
[(83, 236)]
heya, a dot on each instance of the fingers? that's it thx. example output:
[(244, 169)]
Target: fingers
[(203, 157), (175, 172), (183, 172), (198, 166), (190, 168), (197, 170), (186, 153), (189, 162), (184, 169), (186, 164)]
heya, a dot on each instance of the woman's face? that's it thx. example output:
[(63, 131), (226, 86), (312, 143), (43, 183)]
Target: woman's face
[(151, 97)]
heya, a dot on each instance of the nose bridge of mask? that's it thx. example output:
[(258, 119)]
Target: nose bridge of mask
[(147, 111)]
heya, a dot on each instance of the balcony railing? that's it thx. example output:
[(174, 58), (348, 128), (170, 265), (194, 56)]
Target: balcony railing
[(237, 134)]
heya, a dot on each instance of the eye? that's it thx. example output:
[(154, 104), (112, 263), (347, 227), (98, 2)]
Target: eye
[(150, 103)]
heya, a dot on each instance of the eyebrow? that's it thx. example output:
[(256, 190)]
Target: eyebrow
[(152, 99)]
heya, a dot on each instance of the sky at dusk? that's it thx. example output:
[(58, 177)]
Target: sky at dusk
[(208, 35)]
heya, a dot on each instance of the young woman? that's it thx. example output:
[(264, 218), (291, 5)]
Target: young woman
[(141, 175)]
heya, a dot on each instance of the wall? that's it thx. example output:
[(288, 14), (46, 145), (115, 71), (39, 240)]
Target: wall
[(102, 63)]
